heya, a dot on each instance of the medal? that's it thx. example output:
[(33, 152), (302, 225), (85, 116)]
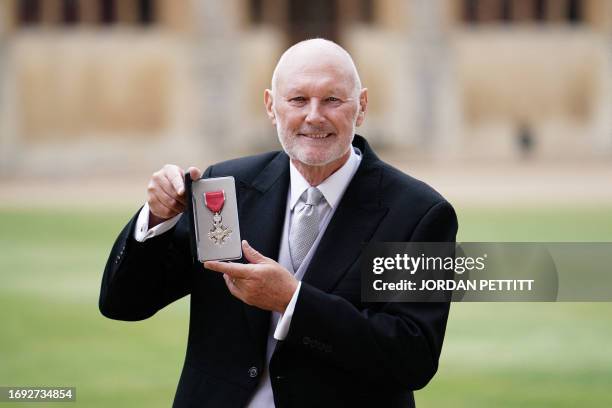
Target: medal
[(214, 200)]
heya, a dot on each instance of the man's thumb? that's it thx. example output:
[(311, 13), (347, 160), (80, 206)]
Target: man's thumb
[(251, 254), (195, 173)]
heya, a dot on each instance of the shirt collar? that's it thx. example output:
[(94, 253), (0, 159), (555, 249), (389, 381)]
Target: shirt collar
[(332, 187)]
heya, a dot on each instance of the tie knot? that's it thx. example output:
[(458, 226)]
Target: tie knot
[(313, 196)]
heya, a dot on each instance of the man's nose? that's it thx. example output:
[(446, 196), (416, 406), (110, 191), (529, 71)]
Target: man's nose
[(314, 114)]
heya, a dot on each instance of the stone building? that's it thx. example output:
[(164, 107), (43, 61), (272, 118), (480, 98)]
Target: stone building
[(117, 85)]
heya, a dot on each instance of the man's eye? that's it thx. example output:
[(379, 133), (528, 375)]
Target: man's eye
[(299, 99), (333, 99)]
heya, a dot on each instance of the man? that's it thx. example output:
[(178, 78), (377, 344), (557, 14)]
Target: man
[(285, 326)]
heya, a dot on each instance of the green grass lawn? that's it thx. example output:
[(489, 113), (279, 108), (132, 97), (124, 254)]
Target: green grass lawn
[(495, 354)]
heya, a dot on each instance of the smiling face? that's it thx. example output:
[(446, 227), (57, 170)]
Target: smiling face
[(316, 103)]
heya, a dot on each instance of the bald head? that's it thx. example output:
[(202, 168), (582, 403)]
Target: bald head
[(315, 103), (315, 54)]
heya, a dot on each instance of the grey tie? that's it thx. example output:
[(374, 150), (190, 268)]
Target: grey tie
[(304, 227)]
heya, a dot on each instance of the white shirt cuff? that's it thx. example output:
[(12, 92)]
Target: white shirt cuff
[(142, 231), (282, 327)]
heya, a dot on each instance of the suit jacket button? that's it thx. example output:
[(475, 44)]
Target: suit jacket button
[(253, 372)]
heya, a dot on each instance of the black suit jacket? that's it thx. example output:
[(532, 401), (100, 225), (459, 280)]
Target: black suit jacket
[(339, 351)]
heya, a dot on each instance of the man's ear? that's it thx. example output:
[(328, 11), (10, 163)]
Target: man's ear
[(363, 105), (269, 102)]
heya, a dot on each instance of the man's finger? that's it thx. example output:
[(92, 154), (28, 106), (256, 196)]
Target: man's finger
[(233, 288), (159, 209), (231, 285), (234, 270), (175, 176), (167, 191), (195, 173), (167, 201), (251, 254)]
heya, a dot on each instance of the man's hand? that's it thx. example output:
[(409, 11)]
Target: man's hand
[(263, 283), (166, 192)]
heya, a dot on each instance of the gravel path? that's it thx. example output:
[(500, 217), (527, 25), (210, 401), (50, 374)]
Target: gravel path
[(514, 184)]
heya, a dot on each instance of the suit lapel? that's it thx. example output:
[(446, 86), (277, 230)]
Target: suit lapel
[(261, 213), (353, 224), (262, 206)]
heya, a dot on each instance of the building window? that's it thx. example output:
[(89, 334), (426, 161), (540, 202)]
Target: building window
[(314, 18), (540, 10), (303, 19), (513, 11), (146, 12), (108, 12), (366, 11), (28, 12), (75, 12), (70, 12), (256, 11), (574, 12), (506, 10)]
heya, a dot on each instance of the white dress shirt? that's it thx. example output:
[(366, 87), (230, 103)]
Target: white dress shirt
[(332, 189)]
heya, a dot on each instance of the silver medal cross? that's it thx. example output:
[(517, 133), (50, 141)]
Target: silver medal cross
[(219, 233)]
